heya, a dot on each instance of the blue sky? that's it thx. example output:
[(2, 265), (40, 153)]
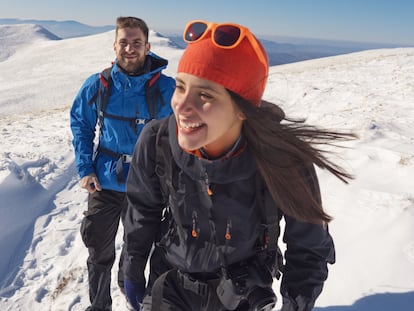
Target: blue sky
[(383, 21)]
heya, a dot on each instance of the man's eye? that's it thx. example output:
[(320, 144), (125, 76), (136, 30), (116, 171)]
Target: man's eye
[(136, 44)]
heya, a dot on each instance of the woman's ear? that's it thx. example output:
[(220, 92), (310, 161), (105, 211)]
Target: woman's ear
[(241, 115)]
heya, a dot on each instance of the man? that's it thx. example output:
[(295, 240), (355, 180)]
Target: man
[(103, 166)]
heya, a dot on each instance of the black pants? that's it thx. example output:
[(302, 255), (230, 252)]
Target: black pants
[(169, 294), (98, 229)]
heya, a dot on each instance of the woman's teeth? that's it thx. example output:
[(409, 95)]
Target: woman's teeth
[(191, 125)]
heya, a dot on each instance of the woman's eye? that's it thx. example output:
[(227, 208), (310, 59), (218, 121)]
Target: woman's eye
[(179, 87), (205, 95)]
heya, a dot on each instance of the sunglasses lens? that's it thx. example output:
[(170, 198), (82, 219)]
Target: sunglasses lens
[(195, 31), (226, 35)]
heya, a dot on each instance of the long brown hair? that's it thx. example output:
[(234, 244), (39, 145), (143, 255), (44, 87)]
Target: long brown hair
[(286, 151)]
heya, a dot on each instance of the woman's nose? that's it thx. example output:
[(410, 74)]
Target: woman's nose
[(183, 102)]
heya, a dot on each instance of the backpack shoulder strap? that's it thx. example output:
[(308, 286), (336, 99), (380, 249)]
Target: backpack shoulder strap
[(153, 95), (164, 171), (101, 96), (104, 93), (163, 160), (269, 215), (271, 224)]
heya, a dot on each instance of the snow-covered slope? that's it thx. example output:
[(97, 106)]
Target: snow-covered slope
[(43, 261), (60, 67), (372, 94), (15, 37)]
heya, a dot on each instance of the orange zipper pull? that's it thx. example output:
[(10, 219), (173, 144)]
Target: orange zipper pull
[(227, 236), (209, 191), (194, 231)]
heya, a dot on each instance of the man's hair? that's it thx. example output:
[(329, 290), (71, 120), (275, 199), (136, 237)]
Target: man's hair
[(132, 22)]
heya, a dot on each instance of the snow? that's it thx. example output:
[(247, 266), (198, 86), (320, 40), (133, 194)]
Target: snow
[(43, 260), (18, 36)]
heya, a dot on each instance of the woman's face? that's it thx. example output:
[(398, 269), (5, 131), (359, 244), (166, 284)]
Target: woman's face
[(206, 115)]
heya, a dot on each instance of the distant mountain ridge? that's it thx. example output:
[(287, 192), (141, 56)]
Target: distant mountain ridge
[(14, 36), (282, 51), (63, 29), (302, 49), (21, 32)]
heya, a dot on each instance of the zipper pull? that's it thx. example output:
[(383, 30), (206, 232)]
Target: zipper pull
[(194, 231), (227, 236), (209, 191)]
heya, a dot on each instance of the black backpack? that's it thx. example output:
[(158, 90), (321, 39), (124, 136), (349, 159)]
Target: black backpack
[(101, 98), (270, 217)]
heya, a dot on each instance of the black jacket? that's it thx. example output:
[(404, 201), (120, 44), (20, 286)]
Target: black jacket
[(233, 202)]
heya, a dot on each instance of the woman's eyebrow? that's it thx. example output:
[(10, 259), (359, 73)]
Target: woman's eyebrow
[(200, 85)]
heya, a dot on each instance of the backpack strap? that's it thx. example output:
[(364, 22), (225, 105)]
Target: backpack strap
[(269, 215), (163, 160), (106, 83), (271, 225), (105, 79), (164, 170), (268, 212), (153, 95), (101, 97)]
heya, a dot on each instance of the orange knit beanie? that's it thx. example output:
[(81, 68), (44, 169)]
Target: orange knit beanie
[(238, 69)]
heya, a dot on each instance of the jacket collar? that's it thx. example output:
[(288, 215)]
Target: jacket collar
[(238, 167), (153, 64)]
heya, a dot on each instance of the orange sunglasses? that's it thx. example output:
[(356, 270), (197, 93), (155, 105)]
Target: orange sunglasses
[(225, 36)]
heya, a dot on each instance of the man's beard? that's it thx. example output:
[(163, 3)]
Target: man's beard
[(131, 67)]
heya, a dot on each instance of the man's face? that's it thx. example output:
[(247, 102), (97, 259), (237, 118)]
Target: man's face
[(131, 47)]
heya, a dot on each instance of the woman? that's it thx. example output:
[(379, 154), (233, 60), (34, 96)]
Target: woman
[(231, 170)]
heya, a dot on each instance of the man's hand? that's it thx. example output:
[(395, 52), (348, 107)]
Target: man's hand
[(91, 183)]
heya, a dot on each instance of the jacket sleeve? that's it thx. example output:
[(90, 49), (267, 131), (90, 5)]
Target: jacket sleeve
[(145, 205), (83, 118), (309, 249)]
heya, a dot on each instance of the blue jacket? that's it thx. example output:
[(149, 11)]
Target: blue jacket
[(127, 99)]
